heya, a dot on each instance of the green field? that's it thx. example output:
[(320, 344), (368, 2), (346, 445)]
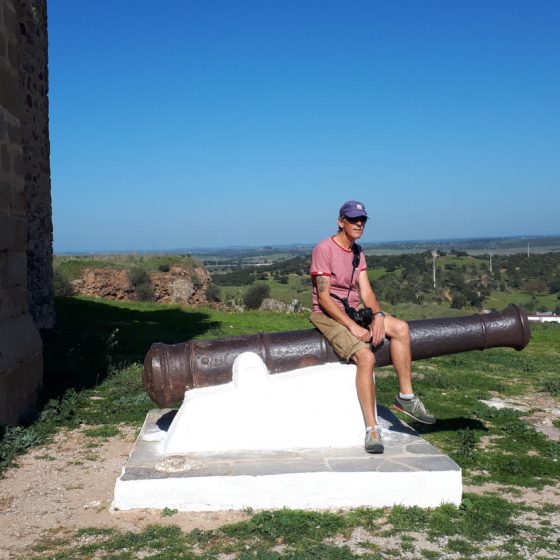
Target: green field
[(499, 300)]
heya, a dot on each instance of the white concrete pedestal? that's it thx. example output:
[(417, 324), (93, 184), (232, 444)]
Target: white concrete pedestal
[(286, 440)]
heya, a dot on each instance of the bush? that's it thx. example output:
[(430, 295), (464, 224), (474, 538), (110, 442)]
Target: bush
[(255, 295), (141, 283), (144, 292), (197, 280), (138, 276), (164, 267), (61, 285), (213, 293), (459, 301)]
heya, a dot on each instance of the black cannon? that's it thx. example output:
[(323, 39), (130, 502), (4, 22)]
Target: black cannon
[(171, 369)]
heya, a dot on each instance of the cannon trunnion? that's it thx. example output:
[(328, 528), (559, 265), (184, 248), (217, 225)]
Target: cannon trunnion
[(171, 369)]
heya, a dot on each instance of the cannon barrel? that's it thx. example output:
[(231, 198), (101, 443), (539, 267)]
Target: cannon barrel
[(171, 369)]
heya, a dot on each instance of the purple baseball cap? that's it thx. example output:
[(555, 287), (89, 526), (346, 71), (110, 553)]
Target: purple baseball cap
[(353, 209)]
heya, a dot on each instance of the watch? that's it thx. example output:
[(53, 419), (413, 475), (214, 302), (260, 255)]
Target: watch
[(379, 313)]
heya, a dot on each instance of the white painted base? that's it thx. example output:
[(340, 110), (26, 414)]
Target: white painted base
[(326, 490), (314, 407), (287, 440)]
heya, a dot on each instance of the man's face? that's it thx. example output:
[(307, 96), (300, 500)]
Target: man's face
[(353, 227)]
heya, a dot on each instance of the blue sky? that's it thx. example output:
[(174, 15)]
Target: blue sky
[(213, 123)]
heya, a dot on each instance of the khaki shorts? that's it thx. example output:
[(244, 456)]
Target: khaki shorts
[(344, 343)]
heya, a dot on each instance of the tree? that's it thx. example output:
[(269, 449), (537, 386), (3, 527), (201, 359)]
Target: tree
[(459, 301)]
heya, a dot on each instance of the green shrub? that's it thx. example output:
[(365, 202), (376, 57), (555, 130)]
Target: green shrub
[(255, 295), (164, 267), (138, 276), (197, 280), (141, 283), (61, 285), (144, 292), (213, 293)]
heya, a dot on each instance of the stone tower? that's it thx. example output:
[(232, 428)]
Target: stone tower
[(26, 293)]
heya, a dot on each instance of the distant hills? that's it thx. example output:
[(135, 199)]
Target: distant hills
[(475, 245)]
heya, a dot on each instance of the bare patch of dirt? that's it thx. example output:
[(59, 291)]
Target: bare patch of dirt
[(68, 484), (548, 495), (542, 411)]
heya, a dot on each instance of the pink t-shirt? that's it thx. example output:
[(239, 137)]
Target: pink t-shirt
[(331, 259)]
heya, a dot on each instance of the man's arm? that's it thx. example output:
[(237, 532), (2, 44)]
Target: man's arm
[(370, 300), (323, 284)]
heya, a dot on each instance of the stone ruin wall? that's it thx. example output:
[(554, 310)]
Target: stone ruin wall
[(26, 294)]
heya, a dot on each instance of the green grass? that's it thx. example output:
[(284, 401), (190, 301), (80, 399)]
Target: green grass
[(296, 288), (294, 534), (71, 266), (106, 341), (499, 300), (519, 455)]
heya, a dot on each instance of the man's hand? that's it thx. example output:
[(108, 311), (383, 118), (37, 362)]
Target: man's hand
[(377, 330), (360, 333)]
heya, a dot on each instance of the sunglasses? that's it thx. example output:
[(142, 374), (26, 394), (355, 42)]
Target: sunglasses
[(359, 219)]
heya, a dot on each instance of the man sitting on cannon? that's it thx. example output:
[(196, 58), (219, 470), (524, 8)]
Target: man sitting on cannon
[(340, 281)]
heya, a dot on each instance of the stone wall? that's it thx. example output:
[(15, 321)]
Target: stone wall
[(36, 159), (25, 209)]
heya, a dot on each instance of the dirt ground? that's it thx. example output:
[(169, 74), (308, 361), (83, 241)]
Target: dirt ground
[(68, 485)]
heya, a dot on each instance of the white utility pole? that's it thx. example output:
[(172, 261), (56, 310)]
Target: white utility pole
[(434, 257)]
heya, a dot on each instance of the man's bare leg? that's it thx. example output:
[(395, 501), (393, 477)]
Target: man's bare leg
[(402, 362), (365, 385), (399, 333)]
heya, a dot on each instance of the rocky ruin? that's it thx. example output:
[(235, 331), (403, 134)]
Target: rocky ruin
[(178, 285)]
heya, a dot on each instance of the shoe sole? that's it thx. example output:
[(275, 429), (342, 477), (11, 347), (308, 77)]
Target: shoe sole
[(399, 409), (376, 450)]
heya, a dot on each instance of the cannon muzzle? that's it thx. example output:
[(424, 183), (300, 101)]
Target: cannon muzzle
[(171, 369)]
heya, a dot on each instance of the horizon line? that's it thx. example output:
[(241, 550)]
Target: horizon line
[(203, 249)]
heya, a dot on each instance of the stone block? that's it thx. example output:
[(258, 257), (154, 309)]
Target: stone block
[(3, 123), (19, 339), (13, 302), (6, 196), (5, 159), (13, 269), (11, 23), (18, 200), (18, 388), (18, 165), (9, 92), (13, 55), (14, 128), (7, 235), (20, 235)]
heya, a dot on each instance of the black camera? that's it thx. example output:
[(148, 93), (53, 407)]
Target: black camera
[(363, 316)]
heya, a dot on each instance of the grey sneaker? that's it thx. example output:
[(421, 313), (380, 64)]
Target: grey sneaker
[(415, 408), (373, 442)]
